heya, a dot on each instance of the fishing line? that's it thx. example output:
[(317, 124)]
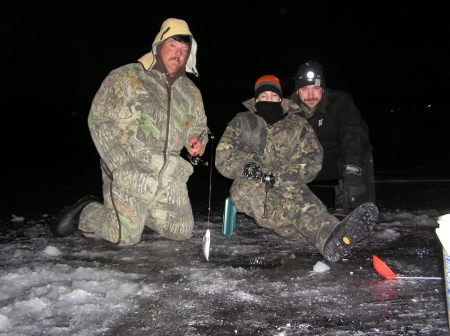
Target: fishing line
[(210, 175), (207, 236)]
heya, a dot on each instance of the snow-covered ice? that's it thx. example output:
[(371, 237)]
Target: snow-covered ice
[(256, 283)]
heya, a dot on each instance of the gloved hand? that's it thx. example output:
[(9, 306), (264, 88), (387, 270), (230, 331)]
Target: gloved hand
[(352, 170), (354, 184), (252, 171)]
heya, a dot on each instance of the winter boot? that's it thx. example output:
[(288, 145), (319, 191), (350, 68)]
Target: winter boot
[(67, 220), (351, 230)]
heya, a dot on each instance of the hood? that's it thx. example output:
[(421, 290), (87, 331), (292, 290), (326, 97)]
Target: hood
[(169, 28), (287, 104)]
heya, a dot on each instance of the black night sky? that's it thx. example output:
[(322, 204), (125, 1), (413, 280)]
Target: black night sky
[(394, 60)]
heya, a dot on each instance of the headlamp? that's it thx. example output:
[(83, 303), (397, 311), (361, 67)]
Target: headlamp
[(312, 78), (310, 75)]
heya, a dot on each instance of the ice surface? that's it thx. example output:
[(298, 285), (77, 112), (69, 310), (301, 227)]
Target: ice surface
[(256, 283)]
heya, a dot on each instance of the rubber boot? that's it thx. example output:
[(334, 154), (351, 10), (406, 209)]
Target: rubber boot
[(350, 231), (67, 220)]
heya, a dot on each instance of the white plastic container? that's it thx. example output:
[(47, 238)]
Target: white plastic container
[(443, 233)]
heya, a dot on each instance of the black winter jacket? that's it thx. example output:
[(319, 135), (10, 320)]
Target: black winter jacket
[(339, 128)]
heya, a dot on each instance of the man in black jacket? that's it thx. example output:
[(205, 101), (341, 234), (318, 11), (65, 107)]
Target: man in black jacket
[(343, 135)]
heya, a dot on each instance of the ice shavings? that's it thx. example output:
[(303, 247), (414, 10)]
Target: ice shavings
[(214, 281), (244, 296), (320, 267), (44, 295), (17, 219), (386, 235), (52, 251), (5, 324), (406, 219)]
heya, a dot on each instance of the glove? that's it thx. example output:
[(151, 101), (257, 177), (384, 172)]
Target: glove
[(352, 170), (354, 183), (354, 192), (252, 171)]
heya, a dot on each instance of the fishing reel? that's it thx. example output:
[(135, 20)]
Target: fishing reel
[(252, 171), (196, 159), (269, 180)]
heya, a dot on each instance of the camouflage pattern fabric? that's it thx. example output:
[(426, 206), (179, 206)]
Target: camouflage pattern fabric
[(140, 137), (290, 150)]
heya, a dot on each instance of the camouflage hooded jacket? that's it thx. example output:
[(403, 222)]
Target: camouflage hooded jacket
[(289, 149), (136, 113)]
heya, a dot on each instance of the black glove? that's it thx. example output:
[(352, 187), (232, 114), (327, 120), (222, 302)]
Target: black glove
[(352, 170), (252, 171), (354, 183)]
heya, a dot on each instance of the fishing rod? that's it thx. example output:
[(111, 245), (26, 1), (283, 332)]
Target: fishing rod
[(196, 160)]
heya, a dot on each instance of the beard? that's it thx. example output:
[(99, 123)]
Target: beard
[(311, 102)]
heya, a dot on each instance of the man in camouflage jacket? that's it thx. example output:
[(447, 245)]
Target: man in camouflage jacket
[(271, 153), (141, 118)]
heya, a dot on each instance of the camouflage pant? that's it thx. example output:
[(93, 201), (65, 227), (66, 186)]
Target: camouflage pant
[(295, 215), (140, 195)]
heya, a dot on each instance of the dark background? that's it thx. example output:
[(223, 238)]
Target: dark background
[(393, 59)]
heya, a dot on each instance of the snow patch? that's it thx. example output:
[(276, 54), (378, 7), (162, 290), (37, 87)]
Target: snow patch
[(246, 296), (5, 324), (320, 267), (52, 251), (17, 219), (39, 296), (33, 307), (78, 296), (386, 235)]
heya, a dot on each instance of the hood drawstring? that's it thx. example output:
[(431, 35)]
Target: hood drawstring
[(162, 35)]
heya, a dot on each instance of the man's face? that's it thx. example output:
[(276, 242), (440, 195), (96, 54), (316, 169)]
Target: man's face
[(174, 55), (310, 95), (268, 96)]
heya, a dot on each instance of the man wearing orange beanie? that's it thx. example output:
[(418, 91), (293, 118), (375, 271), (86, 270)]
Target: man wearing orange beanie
[(271, 153)]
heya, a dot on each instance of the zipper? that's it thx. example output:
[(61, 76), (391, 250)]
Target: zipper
[(166, 142)]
